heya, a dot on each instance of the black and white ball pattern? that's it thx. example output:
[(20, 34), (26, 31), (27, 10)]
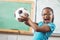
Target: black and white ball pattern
[(20, 12)]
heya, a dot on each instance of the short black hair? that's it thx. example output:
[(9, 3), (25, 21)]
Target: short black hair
[(51, 10)]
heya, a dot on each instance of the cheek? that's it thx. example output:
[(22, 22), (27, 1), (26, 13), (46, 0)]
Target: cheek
[(43, 16), (51, 17)]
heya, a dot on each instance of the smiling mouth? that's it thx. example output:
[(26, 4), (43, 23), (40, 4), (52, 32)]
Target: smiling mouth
[(47, 19)]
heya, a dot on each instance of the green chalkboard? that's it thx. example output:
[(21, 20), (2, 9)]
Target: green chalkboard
[(7, 20)]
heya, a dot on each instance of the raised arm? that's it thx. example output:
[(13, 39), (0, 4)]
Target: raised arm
[(28, 23), (44, 28)]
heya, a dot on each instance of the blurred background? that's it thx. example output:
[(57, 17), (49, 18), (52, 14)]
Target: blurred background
[(35, 9)]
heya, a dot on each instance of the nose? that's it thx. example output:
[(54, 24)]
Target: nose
[(46, 16)]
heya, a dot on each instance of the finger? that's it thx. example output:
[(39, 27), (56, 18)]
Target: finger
[(26, 14), (22, 17)]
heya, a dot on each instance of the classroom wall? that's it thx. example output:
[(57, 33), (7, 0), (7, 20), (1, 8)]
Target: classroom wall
[(21, 37)]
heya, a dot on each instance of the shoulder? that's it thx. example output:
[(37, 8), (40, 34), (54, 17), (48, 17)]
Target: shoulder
[(52, 26), (40, 23)]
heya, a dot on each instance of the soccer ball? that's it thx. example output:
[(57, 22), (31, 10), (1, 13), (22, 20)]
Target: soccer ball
[(20, 12)]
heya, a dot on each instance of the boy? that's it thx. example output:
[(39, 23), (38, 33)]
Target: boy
[(44, 29)]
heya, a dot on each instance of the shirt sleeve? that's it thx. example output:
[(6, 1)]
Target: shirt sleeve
[(52, 26)]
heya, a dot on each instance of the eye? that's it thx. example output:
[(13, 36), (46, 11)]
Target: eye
[(20, 11), (49, 14), (44, 14)]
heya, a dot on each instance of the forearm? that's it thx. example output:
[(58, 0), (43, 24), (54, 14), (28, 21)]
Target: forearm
[(29, 24), (44, 28), (32, 24)]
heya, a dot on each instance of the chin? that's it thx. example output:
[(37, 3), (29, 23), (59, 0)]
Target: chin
[(47, 21)]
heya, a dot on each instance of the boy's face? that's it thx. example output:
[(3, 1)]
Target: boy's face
[(47, 15)]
